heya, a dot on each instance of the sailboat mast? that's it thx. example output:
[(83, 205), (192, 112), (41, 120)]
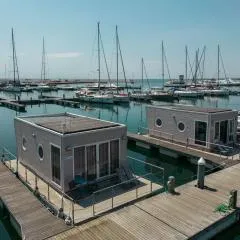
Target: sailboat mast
[(162, 63), (43, 72), (218, 71), (196, 67), (117, 55), (13, 53), (186, 64), (142, 74), (99, 72)]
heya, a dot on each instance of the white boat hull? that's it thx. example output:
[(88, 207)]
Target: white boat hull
[(121, 98)]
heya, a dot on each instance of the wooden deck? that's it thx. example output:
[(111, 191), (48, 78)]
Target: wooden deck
[(190, 150), (188, 214), (35, 221), (13, 105)]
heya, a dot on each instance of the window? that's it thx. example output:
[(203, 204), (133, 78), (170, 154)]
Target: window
[(91, 162), (55, 159), (158, 122), (79, 162), (24, 144), (200, 133), (40, 152), (216, 136), (103, 159), (231, 124), (181, 126), (114, 155)]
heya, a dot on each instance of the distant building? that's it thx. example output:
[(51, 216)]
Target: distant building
[(63, 148), (197, 126)]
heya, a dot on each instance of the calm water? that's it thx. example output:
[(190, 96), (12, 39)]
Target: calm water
[(133, 116)]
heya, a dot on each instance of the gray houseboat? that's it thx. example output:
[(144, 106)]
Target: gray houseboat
[(66, 148), (205, 127)]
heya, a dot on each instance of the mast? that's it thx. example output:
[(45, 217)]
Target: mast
[(218, 71), (43, 72), (162, 63), (99, 72), (186, 65), (142, 74), (196, 67), (117, 54), (13, 53)]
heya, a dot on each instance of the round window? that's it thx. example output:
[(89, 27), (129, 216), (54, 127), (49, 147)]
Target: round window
[(181, 126), (158, 122), (24, 143), (40, 152)]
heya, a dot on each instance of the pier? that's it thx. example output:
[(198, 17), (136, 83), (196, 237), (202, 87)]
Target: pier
[(191, 213), (146, 141), (12, 105), (32, 217)]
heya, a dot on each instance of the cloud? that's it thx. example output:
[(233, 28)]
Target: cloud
[(65, 55)]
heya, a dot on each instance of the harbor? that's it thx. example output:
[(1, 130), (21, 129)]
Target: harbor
[(118, 121)]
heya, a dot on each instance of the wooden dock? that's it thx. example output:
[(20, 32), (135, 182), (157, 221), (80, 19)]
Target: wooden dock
[(189, 214), (215, 158), (35, 221), (12, 105)]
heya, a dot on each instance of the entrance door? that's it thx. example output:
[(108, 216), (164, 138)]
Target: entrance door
[(91, 162), (223, 131), (200, 133), (55, 160)]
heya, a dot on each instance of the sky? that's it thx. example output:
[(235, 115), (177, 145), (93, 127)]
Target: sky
[(70, 31)]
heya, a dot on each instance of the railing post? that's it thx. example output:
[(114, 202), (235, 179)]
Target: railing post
[(112, 196), (62, 205), (25, 174), (136, 191), (150, 185), (93, 204), (48, 193), (36, 182), (10, 164), (72, 212)]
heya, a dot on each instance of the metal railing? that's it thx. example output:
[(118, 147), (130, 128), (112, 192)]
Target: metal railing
[(98, 201), (224, 151)]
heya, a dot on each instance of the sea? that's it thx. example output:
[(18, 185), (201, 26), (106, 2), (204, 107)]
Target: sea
[(134, 116)]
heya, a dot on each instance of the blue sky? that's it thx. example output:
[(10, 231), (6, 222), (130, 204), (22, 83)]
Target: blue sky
[(69, 28)]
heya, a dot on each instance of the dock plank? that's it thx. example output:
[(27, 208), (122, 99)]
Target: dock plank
[(35, 220)]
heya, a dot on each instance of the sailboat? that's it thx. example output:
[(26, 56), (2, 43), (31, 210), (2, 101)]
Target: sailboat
[(120, 97), (42, 87), (141, 95), (15, 87), (99, 96)]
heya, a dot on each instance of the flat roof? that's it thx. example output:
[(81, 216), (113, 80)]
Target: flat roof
[(194, 108), (67, 123)]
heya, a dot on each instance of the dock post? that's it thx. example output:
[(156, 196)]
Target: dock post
[(232, 202), (171, 184), (201, 173)]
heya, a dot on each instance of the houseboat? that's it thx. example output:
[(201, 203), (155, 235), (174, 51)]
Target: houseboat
[(209, 128), (68, 150)]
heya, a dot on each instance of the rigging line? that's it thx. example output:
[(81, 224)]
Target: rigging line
[(166, 63), (145, 71), (105, 60), (191, 68), (112, 54), (223, 67), (203, 65), (200, 60), (93, 50), (124, 73)]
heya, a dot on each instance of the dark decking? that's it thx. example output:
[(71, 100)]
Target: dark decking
[(35, 220)]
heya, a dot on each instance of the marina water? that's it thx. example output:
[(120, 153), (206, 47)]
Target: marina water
[(134, 116)]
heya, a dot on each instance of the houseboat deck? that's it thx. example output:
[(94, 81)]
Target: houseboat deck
[(189, 214), (35, 221), (88, 207), (184, 148)]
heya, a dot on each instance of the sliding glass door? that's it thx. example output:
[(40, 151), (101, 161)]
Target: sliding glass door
[(200, 133), (79, 162), (91, 162), (114, 156), (103, 159)]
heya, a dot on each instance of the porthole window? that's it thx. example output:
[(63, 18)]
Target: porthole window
[(181, 126), (40, 152), (158, 122), (24, 144)]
